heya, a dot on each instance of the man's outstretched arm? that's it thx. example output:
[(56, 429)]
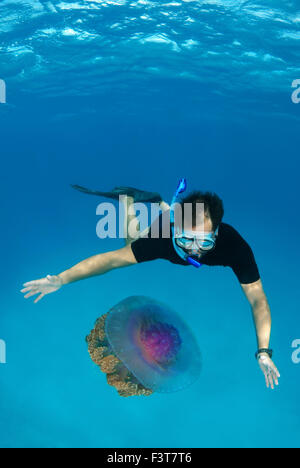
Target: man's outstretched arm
[(98, 265), (263, 324), (93, 266), (261, 312)]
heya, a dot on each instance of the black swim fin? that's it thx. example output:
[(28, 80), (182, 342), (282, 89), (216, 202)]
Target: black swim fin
[(113, 194), (139, 196)]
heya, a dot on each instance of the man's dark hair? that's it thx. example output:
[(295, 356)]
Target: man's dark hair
[(213, 206)]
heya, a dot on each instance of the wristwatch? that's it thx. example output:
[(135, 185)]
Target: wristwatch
[(267, 351)]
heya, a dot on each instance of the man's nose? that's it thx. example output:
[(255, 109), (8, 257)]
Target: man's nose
[(194, 247)]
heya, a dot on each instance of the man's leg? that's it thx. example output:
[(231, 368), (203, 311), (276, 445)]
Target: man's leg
[(129, 196), (132, 228), (130, 220)]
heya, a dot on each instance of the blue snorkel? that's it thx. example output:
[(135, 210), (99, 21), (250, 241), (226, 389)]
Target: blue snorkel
[(180, 189)]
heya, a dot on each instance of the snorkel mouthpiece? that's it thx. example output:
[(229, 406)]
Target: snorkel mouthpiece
[(193, 262)]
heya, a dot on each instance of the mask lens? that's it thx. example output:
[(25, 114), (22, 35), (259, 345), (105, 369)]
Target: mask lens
[(206, 244), (185, 242)]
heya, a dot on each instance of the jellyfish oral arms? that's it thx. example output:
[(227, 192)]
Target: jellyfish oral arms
[(144, 347), (117, 374)]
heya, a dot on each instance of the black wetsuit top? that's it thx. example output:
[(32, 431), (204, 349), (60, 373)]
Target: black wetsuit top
[(231, 251)]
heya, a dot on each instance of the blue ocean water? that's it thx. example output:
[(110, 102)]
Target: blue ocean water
[(120, 92)]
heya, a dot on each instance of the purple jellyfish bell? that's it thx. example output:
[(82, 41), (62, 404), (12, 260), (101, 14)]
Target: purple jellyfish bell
[(154, 344), (160, 341)]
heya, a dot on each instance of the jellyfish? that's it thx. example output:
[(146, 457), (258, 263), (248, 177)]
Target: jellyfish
[(144, 347)]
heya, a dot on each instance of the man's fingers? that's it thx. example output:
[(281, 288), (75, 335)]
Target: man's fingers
[(31, 293), (271, 380), (39, 298), (30, 283), (25, 290), (273, 371), (274, 375), (267, 380)]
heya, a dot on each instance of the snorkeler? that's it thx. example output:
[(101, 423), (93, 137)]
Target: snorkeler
[(218, 244)]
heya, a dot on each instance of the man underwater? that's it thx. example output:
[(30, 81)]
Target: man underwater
[(211, 243)]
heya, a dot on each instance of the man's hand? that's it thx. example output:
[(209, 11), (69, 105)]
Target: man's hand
[(92, 266), (269, 370), (43, 286)]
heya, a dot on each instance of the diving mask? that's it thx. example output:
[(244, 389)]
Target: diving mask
[(197, 242)]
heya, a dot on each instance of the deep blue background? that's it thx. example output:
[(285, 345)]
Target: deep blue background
[(152, 112)]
